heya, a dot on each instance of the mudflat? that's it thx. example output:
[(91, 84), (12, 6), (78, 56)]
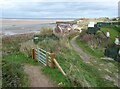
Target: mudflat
[(21, 26)]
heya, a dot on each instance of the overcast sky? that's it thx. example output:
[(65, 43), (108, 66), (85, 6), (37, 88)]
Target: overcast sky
[(58, 8)]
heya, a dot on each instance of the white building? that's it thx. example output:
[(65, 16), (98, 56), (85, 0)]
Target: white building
[(91, 24)]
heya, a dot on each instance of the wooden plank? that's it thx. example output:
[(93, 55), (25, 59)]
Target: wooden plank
[(59, 67), (48, 53), (52, 62), (47, 59)]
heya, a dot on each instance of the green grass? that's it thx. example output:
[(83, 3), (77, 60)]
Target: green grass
[(83, 71), (113, 32), (13, 72), (77, 71), (57, 77), (86, 48), (20, 58), (95, 65)]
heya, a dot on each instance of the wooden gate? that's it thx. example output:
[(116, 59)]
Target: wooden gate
[(46, 58)]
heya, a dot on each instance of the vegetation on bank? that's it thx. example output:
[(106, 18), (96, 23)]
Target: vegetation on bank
[(13, 74), (12, 44), (13, 61), (107, 68), (114, 31), (95, 52), (79, 73)]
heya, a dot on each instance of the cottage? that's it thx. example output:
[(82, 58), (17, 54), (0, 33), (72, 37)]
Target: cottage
[(58, 29), (63, 28)]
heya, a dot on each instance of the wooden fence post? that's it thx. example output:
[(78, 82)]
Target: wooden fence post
[(52, 60), (33, 53)]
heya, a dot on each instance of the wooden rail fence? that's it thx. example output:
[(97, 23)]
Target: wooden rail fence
[(46, 58)]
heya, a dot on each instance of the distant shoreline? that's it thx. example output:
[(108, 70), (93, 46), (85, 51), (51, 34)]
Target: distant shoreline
[(27, 21), (19, 26), (41, 18)]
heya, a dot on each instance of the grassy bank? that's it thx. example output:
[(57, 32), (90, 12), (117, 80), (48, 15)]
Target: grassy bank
[(79, 74), (13, 72), (106, 69), (19, 58), (13, 61), (113, 32), (91, 51)]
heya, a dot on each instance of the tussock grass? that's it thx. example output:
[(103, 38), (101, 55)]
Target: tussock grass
[(46, 31), (13, 43), (13, 75)]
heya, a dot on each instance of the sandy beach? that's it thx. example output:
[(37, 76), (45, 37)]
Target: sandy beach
[(20, 26), (23, 22)]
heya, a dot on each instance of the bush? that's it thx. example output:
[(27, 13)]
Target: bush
[(13, 75), (112, 52), (83, 33), (12, 43), (46, 31), (45, 37), (26, 48)]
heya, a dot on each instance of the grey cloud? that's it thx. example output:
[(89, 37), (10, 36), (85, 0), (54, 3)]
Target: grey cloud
[(61, 9)]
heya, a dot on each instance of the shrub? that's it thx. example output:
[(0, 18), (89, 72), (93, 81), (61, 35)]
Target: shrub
[(13, 75), (112, 52), (12, 43), (82, 33), (46, 31), (26, 48)]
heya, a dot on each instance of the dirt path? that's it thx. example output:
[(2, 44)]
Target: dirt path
[(36, 78), (85, 57)]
